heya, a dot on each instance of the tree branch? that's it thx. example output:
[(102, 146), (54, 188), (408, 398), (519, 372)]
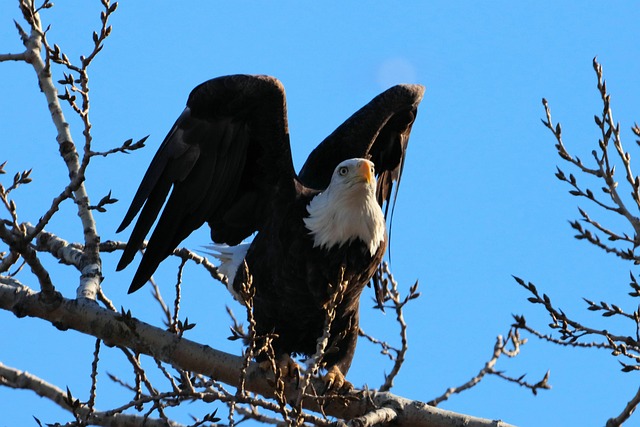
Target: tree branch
[(626, 412), (571, 332), (122, 330), (91, 276), (13, 57), (14, 378)]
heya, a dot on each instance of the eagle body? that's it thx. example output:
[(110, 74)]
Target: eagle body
[(227, 162), (296, 272)]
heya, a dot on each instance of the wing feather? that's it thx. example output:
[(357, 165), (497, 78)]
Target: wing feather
[(378, 131), (228, 151)]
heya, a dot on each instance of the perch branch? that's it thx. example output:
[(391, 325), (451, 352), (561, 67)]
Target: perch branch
[(117, 329)]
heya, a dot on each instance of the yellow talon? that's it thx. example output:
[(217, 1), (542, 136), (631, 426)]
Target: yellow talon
[(335, 381), (285, 365)]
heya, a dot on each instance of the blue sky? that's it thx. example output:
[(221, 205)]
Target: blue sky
[(479, 201)]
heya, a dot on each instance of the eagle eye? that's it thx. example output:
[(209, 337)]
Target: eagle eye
[(343, 170)]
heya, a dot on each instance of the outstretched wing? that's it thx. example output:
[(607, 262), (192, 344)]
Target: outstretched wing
[(225, 157), (378, 131)]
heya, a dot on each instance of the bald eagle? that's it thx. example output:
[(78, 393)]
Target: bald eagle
[(229, 162)]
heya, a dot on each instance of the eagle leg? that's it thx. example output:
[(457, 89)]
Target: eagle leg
[(335, 381)]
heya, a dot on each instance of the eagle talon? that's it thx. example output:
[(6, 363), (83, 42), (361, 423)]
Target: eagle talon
[(335, 381), (285, 365)]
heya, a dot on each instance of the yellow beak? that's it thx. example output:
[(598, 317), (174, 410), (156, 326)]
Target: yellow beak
[(365, 170)]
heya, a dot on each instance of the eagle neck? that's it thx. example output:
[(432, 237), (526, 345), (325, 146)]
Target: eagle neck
[(340, 217)]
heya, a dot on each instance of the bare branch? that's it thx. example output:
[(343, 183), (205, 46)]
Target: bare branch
[(489, 369), (626, 412), (13, 57), (398, 304), (14, 378), (115, 329), (573, 333), (610, 132), (570, 330), (127, 147), (380, 416), (90, 282), (94, 380), (183, 253), (16, 240)]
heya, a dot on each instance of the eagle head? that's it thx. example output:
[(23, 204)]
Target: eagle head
[(347, 209)]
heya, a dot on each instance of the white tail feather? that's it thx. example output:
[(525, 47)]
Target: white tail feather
[(230, 258)]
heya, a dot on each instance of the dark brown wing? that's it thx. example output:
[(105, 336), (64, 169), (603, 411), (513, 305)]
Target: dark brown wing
[(378, 131), (225, 157)]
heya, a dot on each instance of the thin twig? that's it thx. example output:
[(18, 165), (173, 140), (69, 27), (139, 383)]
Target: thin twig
[(94, 380)]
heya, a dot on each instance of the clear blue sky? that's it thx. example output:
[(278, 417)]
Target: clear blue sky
[(478, 203)]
